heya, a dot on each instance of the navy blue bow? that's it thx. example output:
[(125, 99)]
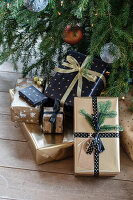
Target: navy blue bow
[(52, 119), (96, 142)]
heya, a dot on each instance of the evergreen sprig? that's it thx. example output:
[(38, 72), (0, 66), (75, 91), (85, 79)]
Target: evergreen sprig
[(87, 116), (36, 39), (103, 108), (110, 128)]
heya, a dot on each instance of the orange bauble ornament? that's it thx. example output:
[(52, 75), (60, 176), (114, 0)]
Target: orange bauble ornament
[(72, 35)]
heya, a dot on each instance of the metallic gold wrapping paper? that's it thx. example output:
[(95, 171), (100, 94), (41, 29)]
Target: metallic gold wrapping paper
[(11, 94), (20, 110), (48, 147), (109, 160)]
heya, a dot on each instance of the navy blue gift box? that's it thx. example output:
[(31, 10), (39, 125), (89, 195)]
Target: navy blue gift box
[(61, 81), (33, 96)]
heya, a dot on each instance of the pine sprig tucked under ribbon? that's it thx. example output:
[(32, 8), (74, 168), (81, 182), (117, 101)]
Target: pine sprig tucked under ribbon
[(103, 108), (87, 116)]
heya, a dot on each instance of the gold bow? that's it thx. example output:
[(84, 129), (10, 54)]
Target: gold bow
[(74, 66)]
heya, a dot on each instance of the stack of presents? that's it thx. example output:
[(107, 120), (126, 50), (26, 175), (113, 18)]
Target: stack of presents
[(68, 117)]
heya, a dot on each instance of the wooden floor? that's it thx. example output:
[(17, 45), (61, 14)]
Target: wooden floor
[(21, 178)]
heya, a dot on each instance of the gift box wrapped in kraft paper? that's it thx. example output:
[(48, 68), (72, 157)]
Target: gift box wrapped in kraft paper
[(126, 120), (48, 147), (96, 136), (57, 125), (20, 110), (72, 79)]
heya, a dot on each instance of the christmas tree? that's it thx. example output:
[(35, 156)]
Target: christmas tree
[(49, 32)]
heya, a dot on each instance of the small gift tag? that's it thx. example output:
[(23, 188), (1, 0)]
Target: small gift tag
[(85, 160)]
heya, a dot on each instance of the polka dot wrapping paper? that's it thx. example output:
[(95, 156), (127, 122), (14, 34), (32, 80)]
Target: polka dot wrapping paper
[(62, 81), (32, 96), (126, 120)]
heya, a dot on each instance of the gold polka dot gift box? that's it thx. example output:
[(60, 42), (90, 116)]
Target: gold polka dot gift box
[(126, 119), (96, 136), (20, 110), (72, 79)]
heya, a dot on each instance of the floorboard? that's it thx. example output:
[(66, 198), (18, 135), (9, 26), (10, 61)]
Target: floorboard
[(4, 103), (17, 154), (21, 184), (10, 130), (21, 178)]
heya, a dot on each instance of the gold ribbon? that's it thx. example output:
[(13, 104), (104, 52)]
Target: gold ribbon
[(74, 66)]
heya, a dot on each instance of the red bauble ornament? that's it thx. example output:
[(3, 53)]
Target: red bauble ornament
[(72, 35)]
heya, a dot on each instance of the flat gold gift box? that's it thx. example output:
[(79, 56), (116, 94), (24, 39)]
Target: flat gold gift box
[(20, 110), (109, 159), (47, 126), (48, 147)]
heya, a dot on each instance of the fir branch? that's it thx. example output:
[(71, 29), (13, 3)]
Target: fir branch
[(102, 22), (87, 117), (100, 106), (110, 128), (104, 109), (81, 8), (110, 114)]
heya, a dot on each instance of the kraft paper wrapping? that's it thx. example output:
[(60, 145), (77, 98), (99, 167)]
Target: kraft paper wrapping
[(48, 147), (20, 110), (126, 119), (109, 160), (47, 126)]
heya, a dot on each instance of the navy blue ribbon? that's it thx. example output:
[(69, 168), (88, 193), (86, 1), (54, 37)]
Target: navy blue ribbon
[(56, 110), (96, 142), (96, 152)]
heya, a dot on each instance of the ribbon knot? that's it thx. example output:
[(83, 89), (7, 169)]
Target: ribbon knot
[(74, 66), (96, 142)]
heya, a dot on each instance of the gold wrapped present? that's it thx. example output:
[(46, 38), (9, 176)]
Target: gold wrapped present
[(96, 142), (49, 147), (21, 111), (49, 127), (11, 94)]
